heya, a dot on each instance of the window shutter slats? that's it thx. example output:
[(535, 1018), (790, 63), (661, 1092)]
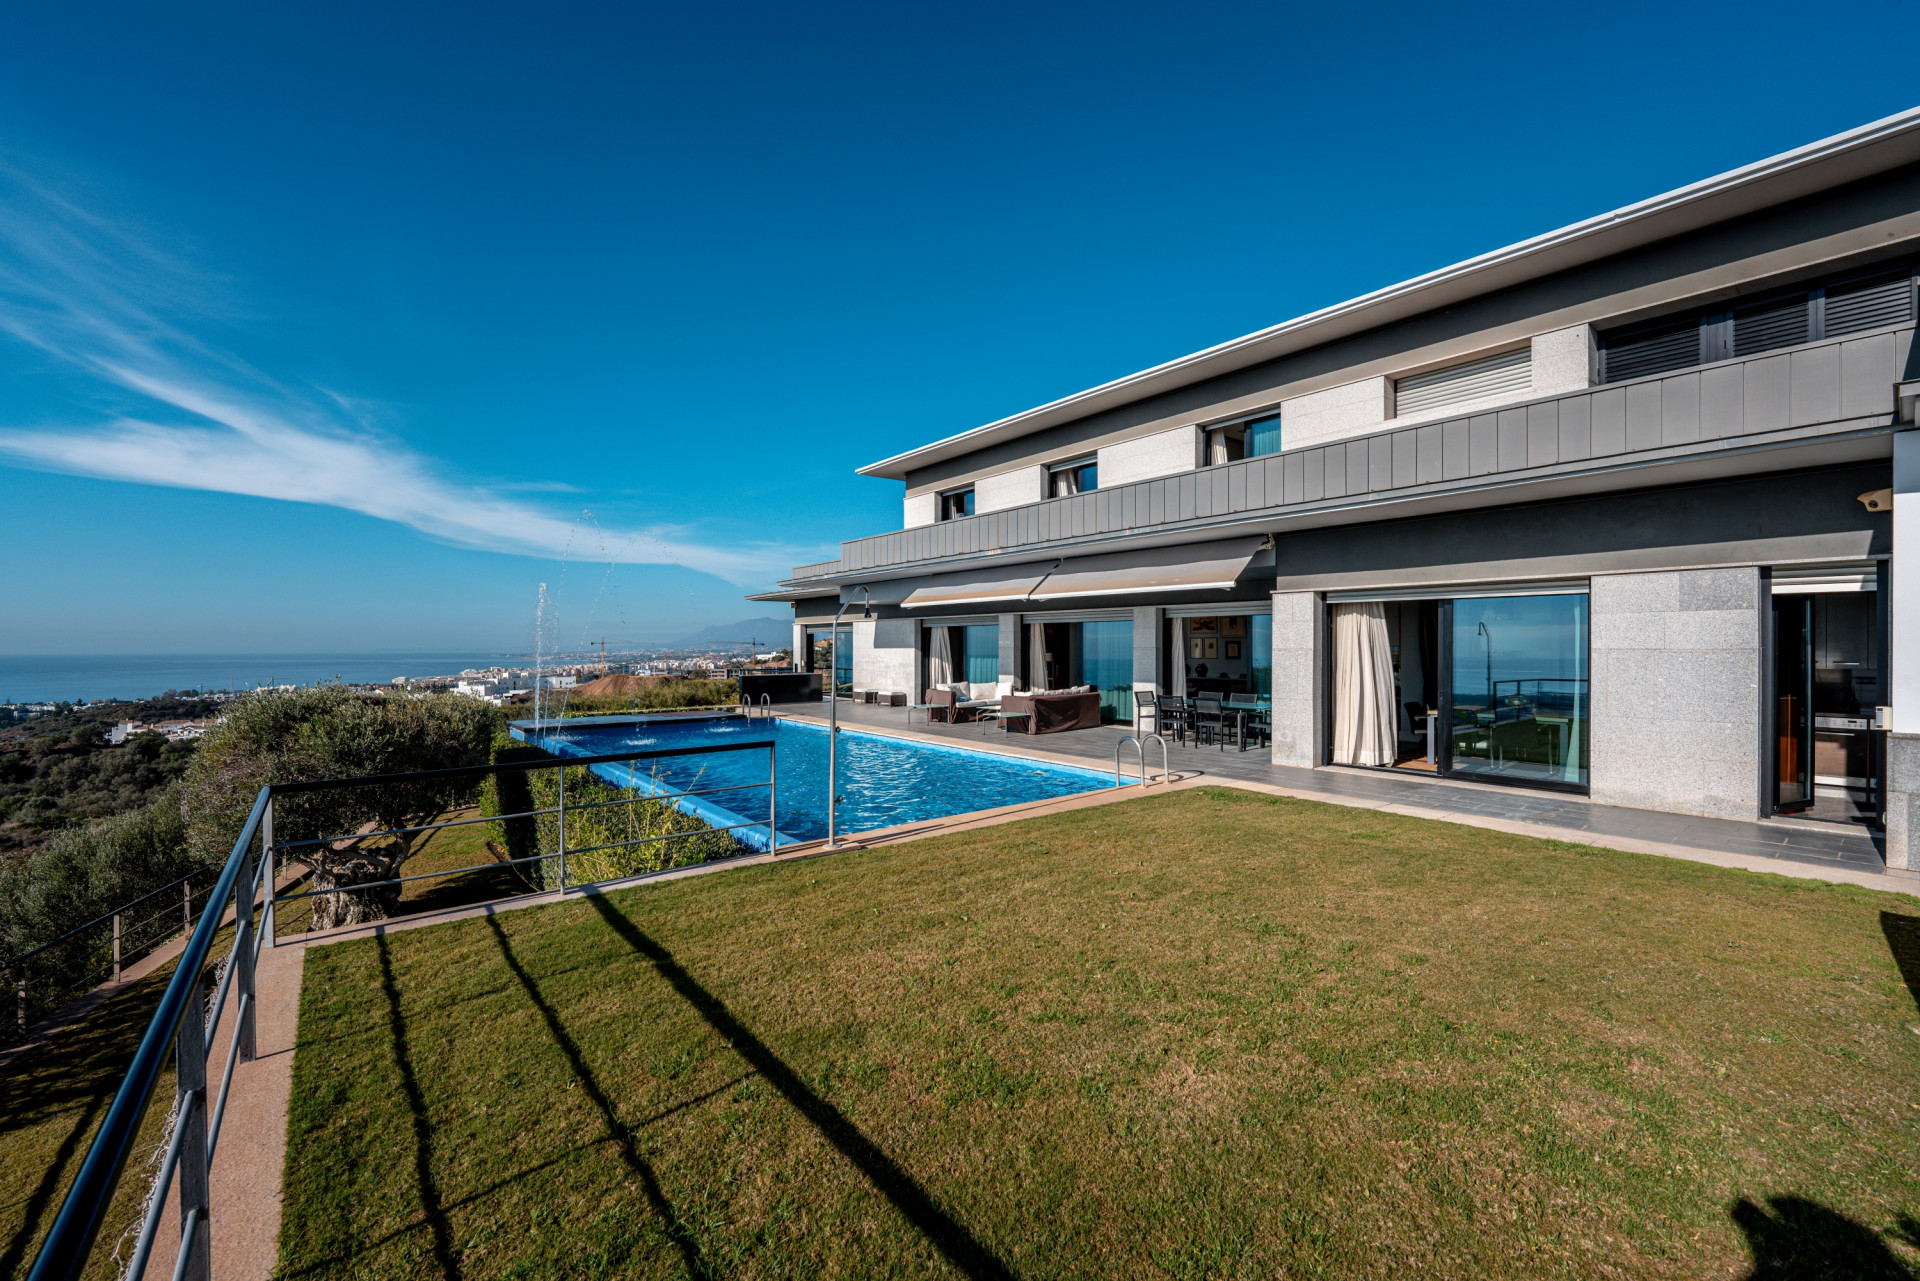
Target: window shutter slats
[(1509, 373), (1869, 303), (1653, 350), (1779, 322)]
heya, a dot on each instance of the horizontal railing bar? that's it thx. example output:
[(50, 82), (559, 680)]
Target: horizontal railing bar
[(509, 767), (421, 876), (501, 818), (670, 836), (106, 916)]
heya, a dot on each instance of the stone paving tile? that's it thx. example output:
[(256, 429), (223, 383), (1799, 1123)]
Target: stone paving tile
[(1847, 846)]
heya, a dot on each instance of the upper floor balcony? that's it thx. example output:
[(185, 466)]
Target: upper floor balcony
[(1802, 405)]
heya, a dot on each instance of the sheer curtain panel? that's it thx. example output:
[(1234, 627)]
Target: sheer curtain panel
[(1363, 719)]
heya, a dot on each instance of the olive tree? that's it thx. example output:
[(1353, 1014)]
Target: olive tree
[(331, 732)]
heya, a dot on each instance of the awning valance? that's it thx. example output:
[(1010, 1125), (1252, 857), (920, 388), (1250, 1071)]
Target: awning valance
[(1194, 567), (977, 587)]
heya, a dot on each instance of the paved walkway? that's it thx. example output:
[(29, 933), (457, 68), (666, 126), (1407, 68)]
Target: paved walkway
[(1852, 853)]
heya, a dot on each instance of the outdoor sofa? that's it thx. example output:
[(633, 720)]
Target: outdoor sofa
[(1051, 712)]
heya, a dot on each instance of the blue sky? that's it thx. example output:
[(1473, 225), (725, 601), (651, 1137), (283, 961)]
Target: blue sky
[(321, 328)]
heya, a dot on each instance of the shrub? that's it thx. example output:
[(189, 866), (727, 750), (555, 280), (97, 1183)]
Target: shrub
[(332, 732)]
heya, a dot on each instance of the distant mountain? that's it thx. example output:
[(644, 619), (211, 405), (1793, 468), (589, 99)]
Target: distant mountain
[(772, 633)]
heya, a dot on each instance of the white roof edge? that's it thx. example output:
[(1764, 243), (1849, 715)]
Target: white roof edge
[(1251, 348)]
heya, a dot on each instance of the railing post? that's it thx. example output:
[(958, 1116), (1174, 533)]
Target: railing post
[(190, 1069), (773, 793), (561, 814), (20, 991), (116, 947), (243, 952), (186, 904), (267, 921)]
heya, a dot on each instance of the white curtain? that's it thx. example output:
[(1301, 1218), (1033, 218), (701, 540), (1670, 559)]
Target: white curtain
[(1179, 627), (1363, 719), (1066, 483), (1036, 656), (1216, 448), (939, 660)]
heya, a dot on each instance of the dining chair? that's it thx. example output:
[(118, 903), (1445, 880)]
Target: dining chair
[(1174, 714), (1211, 721)]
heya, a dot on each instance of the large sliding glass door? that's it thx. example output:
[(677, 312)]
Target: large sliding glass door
[(1519, 689), (1486, 687), (1105, 655)]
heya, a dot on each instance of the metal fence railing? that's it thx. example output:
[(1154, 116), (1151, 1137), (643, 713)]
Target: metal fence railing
[(184, 1027), (73, 963)]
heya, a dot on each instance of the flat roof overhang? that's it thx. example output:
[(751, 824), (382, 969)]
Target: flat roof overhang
[(1831, 162)]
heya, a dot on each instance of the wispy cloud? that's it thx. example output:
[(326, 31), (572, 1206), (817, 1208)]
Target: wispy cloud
[(175, 410)]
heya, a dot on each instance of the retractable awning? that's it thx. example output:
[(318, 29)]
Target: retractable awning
[(1193, 567), (977, 587)]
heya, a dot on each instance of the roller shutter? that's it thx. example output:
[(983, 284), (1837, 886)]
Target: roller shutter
[(1868, 302), (1508, 374)]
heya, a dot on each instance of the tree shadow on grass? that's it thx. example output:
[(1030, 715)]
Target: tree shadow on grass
[(1903, 940), (1802, 1240), (430, 1204), (619, 1131), (948, 1235)]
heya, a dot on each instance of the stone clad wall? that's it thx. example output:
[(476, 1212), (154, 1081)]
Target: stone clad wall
[(886, 654), (1676, 711), (1297, 677)]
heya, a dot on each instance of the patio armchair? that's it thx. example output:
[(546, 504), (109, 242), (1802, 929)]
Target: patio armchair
[(1174, 715)]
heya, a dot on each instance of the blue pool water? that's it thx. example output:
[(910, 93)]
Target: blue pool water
[(884, 780)]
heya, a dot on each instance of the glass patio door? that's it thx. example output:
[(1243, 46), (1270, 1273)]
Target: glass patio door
[(1518, 689), (1792, 703)]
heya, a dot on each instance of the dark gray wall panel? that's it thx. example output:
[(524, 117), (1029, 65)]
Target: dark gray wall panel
[(1484, 449), (1404, 467), (1357, 470), (1814, 390), (1722, 401), (1576, 428), (1429, 446), (1867, 376), (1643, 416), (1765, 387), (1543, 434), (1314, 474), (1456, 451), (1380, 462), (1680, 409), (1513, 439), (1609, 422)]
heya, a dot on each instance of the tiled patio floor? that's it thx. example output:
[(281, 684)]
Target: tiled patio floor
[(1822, 844)]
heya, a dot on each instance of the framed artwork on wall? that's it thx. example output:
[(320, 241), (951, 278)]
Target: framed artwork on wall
[(1203, 627), (1233, 649), (1234, 625), (1196, 648), (1213, 647)]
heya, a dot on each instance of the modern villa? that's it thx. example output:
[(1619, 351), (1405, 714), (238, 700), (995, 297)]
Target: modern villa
[(1629, 510)]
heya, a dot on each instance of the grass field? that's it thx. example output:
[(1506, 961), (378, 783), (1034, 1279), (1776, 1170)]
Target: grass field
[(1205, 1034)]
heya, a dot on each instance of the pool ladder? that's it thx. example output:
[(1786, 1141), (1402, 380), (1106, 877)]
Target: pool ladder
[(1140, 745), (763, 709)]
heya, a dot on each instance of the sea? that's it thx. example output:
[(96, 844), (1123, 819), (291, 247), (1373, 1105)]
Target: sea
[(42, 678)]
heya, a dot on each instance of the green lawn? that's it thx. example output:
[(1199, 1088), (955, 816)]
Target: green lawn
[(1205, 1034)]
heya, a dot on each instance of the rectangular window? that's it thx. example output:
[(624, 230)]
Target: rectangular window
[(1226, 444), (1263, 436), (1841, 305), (1510, 373), (1078, 477), (956, 503)]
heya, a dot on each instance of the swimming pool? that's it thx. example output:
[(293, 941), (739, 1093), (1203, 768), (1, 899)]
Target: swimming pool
[(884, 780)]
